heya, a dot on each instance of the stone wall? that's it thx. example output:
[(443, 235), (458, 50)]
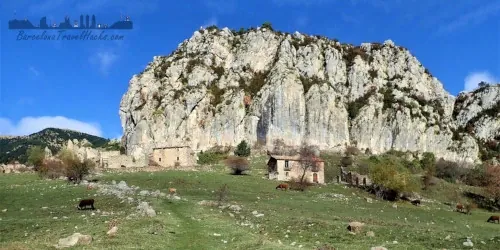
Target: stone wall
[(174, 157)]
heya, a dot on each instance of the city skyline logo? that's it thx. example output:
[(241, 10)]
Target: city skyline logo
[(85, 22), (88, 26)]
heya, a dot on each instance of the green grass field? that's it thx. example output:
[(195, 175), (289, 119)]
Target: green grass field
[(311, 219)]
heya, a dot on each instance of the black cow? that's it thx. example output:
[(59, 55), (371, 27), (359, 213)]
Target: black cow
[(86, 202)]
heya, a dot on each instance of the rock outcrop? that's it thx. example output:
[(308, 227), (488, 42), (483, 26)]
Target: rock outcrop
[(14, 167), (220, 87)]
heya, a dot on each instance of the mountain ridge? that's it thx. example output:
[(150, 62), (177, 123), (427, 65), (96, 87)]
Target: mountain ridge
[(221, 86), (15, 148)]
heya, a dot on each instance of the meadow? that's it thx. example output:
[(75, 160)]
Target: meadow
[(35, 213)]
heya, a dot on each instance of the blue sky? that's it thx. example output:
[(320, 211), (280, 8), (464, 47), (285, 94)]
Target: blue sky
[(79, 84)]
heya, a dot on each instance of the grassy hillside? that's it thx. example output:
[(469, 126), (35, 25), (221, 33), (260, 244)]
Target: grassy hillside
[(14, 148), (292, 220)]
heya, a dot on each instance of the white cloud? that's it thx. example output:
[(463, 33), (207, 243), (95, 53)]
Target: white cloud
[(210, 22), (473, 79), (104, 59), (30, 125), (34, 71), (475, 17)]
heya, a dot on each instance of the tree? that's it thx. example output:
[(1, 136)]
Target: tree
[(392, 177), (428, 162), (308, 161), (267, 25), (482, 84), (237, 164), (75, 169), (493, 182), (36, 155), (242, 149)]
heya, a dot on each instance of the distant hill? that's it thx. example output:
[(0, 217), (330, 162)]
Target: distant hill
[(15, 148)]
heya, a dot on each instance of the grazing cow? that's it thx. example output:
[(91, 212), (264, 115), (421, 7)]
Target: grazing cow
[(415, 202), (172, 191), (494, 218), (460, 208), (282, 186), (86, 202), (89, 187)]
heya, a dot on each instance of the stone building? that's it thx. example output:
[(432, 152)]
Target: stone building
[(176, 156), (354, 178), (286, 168)]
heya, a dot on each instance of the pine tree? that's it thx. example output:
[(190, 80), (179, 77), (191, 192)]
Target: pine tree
[(242, 150)]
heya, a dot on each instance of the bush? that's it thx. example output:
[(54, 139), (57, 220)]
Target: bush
[(222, 195), (299, 184), (237, 164), (36, 155), (347, 161), (78, 170), (476, 177), (51, 169), (428, 180), (75, 169), (242, 149), (449, 171), (212, 156), (267, 25), (428, 162), (493, 182), (469, 207), (392, 177), (352, 150)]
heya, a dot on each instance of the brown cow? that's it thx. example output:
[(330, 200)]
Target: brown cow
[(172, 191), (86, 202), (494, 218), (460, 208), (282, 186)]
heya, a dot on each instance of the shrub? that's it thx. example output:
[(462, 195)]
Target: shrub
[(78, 170), (428, 162), (212, 156), (368, 151), (242, 149), (392, 177), (428, 180), (493, 182), (299, 184), (363, 168), (51, 169), (449, 171), (267, 25), (36, 155), (237, 164), (75, 169), (351, 150), (476, 176), (347, 161), (222, 195)]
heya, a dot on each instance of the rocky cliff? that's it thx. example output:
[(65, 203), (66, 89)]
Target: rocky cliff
[(221, 86)]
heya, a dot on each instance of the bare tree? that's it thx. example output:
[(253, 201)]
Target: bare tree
[(308, 160)]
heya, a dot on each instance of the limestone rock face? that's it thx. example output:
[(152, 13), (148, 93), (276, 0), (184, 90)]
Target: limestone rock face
[(220, 87), (82, 150)]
